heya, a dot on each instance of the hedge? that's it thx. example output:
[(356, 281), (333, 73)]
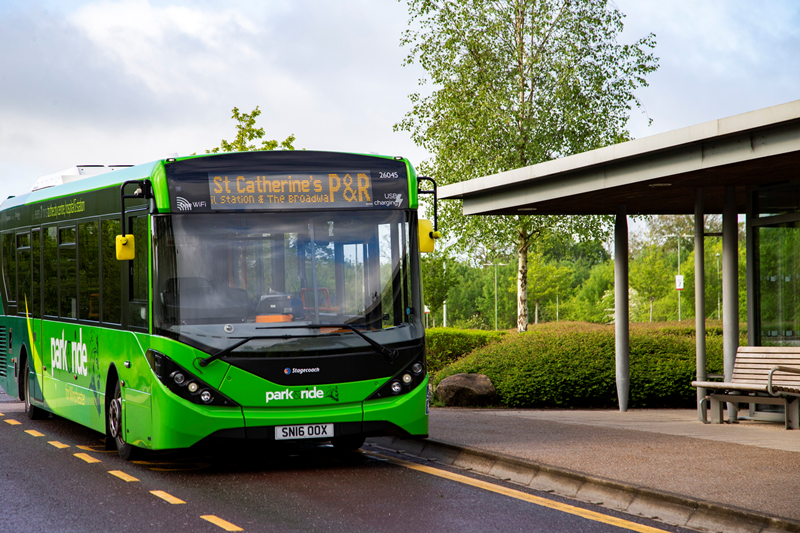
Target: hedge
[(445, 345), (573, 365)]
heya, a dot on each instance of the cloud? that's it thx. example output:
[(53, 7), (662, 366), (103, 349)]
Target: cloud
[(127, 81), (718, 58)]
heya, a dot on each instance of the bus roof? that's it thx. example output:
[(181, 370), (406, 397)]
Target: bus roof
[(113, 176), (84, 178)]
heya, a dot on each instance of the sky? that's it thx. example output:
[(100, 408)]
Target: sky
[(130, 81)]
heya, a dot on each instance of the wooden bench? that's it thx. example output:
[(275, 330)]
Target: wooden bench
[(761, 375)]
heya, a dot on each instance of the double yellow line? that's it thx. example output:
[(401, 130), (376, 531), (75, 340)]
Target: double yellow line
[(524, 496)]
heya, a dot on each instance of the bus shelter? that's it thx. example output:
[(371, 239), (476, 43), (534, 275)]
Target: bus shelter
[(745, 164)]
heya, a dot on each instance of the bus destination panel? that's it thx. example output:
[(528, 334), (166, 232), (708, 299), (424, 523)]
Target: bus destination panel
[(300, 190)]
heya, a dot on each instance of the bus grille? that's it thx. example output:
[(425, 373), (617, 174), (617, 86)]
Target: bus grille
[(3, 351)]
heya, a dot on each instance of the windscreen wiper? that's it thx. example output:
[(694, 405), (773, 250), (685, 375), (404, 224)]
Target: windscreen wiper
[(388, 353)]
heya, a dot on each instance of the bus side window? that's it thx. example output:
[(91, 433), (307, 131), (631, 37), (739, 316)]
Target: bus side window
[(67, 272), (89, 271), (23, 273), (50, 264), (111, 310), (10, 267)]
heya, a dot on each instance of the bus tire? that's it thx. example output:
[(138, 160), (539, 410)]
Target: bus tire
[(126, 451), (33, 412), (348, 444)]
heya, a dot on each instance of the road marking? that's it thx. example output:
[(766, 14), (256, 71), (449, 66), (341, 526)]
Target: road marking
[(13, 422), (95, 449), (224, 524), (544, 502), (34, 433), (59, 445), (86, 457), (166, 497), (122, 475)]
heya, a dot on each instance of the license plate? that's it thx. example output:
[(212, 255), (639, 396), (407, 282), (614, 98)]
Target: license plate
[(305, 431)]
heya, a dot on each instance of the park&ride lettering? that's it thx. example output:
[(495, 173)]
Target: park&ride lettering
[(69, 356), (307, 394)]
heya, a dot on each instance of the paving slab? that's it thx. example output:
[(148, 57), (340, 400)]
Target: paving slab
[(752, 465)]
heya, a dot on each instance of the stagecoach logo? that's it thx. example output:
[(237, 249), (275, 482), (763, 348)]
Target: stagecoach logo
[(288, 370)]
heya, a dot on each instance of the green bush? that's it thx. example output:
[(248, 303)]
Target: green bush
[(573, 365), (445, 345)]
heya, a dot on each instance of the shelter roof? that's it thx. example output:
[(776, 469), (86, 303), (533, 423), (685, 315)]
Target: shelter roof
[(651, 175)]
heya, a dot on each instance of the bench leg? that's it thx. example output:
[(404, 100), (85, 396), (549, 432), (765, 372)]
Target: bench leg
[(792, 413), (702, 414), (716, 410)]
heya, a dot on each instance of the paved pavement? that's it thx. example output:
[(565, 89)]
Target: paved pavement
[(739, 471)]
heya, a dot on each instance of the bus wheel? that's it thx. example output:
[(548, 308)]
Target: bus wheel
[(348, 443), (114, 413), (33, 412)]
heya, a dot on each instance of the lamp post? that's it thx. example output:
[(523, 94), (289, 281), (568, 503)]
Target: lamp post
[(679, 267), (718, 285), (495, 288)]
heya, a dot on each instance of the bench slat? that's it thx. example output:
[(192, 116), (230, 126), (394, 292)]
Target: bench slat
[(730, 386), (771, 361), (769, 349)]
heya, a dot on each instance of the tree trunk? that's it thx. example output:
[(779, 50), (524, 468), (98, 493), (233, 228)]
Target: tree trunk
[(522, 283), (536, 314)]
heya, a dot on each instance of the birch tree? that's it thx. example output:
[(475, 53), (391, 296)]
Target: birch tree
[(514, 83)]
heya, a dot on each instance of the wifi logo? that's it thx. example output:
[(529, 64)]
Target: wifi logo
[(183, 204)]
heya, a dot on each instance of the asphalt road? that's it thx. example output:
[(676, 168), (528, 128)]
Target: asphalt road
[(46, 487)]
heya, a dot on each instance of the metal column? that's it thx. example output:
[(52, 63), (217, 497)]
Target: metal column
[(730, 286), (700, 294), (621, 318), (753, 306)]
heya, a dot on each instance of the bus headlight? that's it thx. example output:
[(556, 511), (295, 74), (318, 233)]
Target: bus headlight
[(183, 383), (403, 382)]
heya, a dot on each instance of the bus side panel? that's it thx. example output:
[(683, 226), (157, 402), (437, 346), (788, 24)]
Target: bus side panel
[(77, 359), (408, 411), (138, 422), (178, 423)]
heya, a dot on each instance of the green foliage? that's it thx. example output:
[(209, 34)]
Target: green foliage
[(650, 277), (572, 365), (246, 132), (437, 278), (445, 345), (519, 82), (545, 281)]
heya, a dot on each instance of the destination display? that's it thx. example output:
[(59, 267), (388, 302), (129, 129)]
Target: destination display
[(301, 190)]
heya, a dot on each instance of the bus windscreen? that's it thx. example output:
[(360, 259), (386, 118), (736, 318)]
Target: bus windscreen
[(227, 276)]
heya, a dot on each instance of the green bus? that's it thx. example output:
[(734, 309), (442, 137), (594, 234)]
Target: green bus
[(267, 296)]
